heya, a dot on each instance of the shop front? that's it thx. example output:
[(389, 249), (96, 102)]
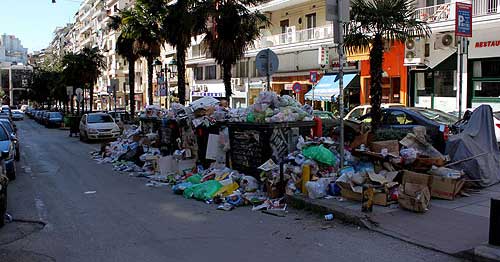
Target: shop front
[(327, 90), (394, 77), (484, 68)]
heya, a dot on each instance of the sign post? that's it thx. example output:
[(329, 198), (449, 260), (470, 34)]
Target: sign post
[(463, 29), (313, 78), (114, 87), (267, 63)]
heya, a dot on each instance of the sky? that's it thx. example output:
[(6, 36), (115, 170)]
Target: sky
[(34, 21)]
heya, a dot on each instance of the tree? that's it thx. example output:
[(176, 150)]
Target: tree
[(183, 19), (372, 23), (235, 28), (128, 47), (92, 63)]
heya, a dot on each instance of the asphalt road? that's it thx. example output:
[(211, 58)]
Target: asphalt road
[(124, 220)]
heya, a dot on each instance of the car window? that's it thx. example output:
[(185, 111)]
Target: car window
[(356, 113), (3, 134), (55, 115), (7, 126), (99, 119), (396, 117), (438, 116)]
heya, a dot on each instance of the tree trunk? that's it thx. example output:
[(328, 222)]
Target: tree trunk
[(131, 83), (226, 78), (376, 61), (150, 79), (91, 97), (181, 73)]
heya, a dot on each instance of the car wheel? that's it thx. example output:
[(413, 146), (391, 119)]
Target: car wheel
[(18, 154), (12, 175)]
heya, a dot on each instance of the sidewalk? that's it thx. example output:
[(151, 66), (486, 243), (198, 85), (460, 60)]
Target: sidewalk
[(453, 227)]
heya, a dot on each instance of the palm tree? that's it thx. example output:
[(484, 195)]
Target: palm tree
[(92, 63), (127, 47), (236, 27), (183, 20), (372, 23), (71, 74)]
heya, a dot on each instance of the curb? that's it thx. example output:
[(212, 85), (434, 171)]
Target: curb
[(341, 213)]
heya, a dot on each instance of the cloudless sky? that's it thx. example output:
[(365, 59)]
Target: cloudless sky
[(34, 21)]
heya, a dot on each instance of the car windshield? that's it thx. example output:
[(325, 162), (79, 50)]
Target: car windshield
[(99, 119), (438, 116), (55, 115), (323, 115), (497, 115), (7, 126), (3, 134)]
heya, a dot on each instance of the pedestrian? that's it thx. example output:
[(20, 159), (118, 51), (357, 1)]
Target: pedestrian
[(73, 126)]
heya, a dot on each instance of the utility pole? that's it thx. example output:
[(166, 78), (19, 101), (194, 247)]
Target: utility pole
[(11, 88)]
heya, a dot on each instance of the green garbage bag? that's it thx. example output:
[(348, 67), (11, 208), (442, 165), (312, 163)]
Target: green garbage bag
[(194, 179), (203, 191), (320, 154)]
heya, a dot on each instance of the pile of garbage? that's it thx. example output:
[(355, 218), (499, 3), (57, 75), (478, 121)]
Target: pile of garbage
[(271, 108)]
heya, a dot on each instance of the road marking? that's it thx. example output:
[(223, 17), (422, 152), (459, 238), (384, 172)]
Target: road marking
[(89, 192)]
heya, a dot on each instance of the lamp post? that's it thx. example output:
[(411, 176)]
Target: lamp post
[(158, 68), (170, 72)]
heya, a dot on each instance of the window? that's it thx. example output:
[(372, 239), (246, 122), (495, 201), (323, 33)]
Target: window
[(3, 135), (241, 69), (195, 51), (198, 73), (487, 89), (310, 23), (444, 83), (101, 118), (396, 118), (210, 72), (356, 113)]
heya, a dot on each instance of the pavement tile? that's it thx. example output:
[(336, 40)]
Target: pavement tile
[(484, 203), (475, 210)]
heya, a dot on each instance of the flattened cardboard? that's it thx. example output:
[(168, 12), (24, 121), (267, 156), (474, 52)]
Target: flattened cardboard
[(446, 188)]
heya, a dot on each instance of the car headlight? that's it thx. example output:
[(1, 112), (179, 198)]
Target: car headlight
[(92, 130), (116, 129)]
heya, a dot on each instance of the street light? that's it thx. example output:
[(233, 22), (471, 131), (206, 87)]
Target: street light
[(172, 67)]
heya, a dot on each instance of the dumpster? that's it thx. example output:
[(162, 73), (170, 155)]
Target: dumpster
[(253, 144)]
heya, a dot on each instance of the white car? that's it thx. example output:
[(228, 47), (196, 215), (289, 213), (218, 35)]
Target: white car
[(496, 123), (17, 115), (95, 126), (362, 110)]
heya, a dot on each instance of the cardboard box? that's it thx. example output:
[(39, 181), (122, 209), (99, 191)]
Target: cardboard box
[(379, 198), (415, 191), (446, 188), (391, 145)]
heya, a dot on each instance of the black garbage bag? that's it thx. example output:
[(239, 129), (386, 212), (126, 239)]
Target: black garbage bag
[(133, 155)]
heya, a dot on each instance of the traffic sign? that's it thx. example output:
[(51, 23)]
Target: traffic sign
[(313, 76), (69, 90), (79, 94), (463, 19), (266, 62), (114, 86), (296, 87)]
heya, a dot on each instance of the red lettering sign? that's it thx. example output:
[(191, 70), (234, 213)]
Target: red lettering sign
[(482, 44)]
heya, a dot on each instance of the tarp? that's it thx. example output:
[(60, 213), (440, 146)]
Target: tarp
[(477, 140), (327, 87)]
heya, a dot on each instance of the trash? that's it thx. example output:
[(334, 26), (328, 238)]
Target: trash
[(203, 191), (268, 166), (320, 154), (225, 207), (414, 193), (179, 188), (409, 155), (316, 189), (390, 146), (329, 217), (249, 184), (194, 179)]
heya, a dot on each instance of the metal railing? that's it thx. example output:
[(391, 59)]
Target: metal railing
[(296, 36), (446, 12)]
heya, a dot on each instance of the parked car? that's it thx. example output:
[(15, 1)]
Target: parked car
[(98, 126), (328, 120), (8, 153), (54, 119), (4, 182), (438, 124), (362, 110), (24, 108), (13, 133), (17, 115)]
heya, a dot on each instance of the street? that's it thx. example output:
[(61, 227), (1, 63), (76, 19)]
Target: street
[(93, 214)]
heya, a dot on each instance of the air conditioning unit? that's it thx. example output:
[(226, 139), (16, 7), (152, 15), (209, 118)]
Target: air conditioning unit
[(290, 34), (414, 51), (444, 40)]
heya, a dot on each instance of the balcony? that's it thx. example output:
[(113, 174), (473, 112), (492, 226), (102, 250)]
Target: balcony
[(446, 12), (296, 36)]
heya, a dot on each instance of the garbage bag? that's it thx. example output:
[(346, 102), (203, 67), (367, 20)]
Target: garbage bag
[(179, 188), (249, 184), (320, 154), (194, 179), (203, 191), (317, 189)]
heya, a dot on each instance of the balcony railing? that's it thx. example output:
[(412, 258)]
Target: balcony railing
[(446, 12), (296, 36)]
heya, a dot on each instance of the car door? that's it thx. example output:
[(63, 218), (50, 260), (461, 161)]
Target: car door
[(398, 119)]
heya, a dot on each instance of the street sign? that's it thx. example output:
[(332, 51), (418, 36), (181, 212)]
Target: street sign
[(463, 19), (296, 87), (323, 56), (79, 95), (266, 62), (69, 90), (313, 76), (114, 86)]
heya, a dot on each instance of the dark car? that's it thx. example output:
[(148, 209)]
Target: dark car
[(54, 119), (4, 182), (8, 153), (438, 124), (13, 133)]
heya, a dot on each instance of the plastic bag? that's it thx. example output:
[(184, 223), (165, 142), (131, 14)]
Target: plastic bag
[(227, 189), (409, 155), (179, 188), (194, 179), (320, 154), (317, 189), (249, 184), (203, 191)]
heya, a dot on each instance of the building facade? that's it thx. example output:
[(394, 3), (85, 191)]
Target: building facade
[(12, 51)]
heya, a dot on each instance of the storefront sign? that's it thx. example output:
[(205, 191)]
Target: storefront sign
[(481, 44), (209, 89), (193, 93), (323, 56), (485, 43), (313, 76), (463, 20), (288, 87)]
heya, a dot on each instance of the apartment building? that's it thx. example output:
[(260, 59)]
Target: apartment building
[(433, 62), (299, 34), (12, 51)]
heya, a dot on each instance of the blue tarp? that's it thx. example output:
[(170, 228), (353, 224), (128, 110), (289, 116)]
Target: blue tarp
[(328, 87)]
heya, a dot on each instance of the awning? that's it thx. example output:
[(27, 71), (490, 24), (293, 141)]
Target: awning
[(328, 87)]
